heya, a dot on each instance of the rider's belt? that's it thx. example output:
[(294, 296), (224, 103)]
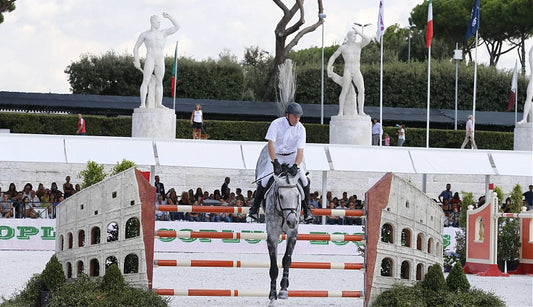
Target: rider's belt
[(285, 154)]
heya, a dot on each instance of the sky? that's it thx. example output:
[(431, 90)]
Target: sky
[(41, 38)]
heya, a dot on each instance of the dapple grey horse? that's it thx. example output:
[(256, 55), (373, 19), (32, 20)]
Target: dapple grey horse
[(282, 206)]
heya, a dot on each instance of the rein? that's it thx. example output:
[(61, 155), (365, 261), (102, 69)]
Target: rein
[(278, 206)]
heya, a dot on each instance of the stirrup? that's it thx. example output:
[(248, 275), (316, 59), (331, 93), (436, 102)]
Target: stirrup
[(254, 213)]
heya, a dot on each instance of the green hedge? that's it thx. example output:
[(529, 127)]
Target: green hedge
[(237, 130), (406, 86)]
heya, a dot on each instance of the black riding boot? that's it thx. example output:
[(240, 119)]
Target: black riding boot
[(258, 199), (308, 214)]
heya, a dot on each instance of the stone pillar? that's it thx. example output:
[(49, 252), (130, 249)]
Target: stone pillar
[(523, 137), (350, 129), (158, 123)]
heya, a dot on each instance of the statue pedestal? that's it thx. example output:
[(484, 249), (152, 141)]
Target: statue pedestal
[(523, 137), (350, 129), (153, 123)]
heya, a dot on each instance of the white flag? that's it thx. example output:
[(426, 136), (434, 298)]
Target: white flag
[(381, 24)]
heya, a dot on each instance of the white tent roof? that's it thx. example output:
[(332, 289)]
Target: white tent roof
[(243, 155)]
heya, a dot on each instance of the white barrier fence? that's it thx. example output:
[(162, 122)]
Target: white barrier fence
[(39, 234)]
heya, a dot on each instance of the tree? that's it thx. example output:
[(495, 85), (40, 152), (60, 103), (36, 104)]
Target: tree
[(257, 67), (520, 12), (108, 74), (283, 31), (122, 166), (6, 6), (94, 173)]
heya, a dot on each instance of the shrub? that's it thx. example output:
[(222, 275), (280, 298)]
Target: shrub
[(434, 279), (53, 275), (29, 296), (113, 280), (457, 280), (401, 295), (82, 292)]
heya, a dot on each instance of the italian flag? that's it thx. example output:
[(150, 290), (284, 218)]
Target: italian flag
[(174, 72), (429, 27)]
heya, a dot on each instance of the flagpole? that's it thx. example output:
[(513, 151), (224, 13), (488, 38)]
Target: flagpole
[(516, 95), (175, 72), (428, 100), (381, 90), (475, 88)]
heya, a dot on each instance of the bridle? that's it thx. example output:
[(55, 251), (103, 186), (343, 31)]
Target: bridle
[(281, 210)]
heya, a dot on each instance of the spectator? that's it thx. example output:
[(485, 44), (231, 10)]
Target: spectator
[(238, 217), (480, 201), (68, 188), (34, 200), (446, 194), (351, 220), (172, 197), (313, 199), (249, 195), (29, 212), (506, 206), (224, 189), (54, 190), (377, 131), (469, 133), (81, 125), (161, 215), (333, 220), (159, 187), (6, 206), (456, 201), (50, 200), (27, 190), (401, 135), (528, 197), (40, 190), (18, 204), (386, 139), (199, 194), (12, 191), (197, 119)]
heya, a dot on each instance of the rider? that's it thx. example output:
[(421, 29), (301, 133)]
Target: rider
[(286, 140)]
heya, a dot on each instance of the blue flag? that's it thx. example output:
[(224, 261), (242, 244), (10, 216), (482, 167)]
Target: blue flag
[(473, 25)]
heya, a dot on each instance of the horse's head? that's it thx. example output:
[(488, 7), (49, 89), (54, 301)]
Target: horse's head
[(288, 198)]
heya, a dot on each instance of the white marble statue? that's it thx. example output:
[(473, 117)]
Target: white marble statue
[(351, 53), (154, 65), (528, 110)]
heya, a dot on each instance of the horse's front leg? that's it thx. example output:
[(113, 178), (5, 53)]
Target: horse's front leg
[(287, 260), (272, 243)]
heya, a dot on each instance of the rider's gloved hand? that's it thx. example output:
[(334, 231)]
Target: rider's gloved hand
[(277, 167), (293, 170)]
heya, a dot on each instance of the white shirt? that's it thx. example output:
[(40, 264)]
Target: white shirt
[(197, 116), (401, 135), (287, 139)]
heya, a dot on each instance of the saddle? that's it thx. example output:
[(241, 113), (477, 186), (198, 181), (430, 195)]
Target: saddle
[(270, 184)]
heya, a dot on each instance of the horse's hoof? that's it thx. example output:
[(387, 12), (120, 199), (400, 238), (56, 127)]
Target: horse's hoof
[(272, 303), (283, 294)]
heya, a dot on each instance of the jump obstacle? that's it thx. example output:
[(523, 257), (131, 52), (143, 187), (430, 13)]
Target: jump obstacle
[(242, 264), (482, 239), (258, 264)]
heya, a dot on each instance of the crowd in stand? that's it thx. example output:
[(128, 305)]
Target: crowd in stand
[(451, 204), (34, 203), (41, 203), (225, 197)]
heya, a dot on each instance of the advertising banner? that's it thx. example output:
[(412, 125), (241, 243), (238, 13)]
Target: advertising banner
[(39, 234)]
